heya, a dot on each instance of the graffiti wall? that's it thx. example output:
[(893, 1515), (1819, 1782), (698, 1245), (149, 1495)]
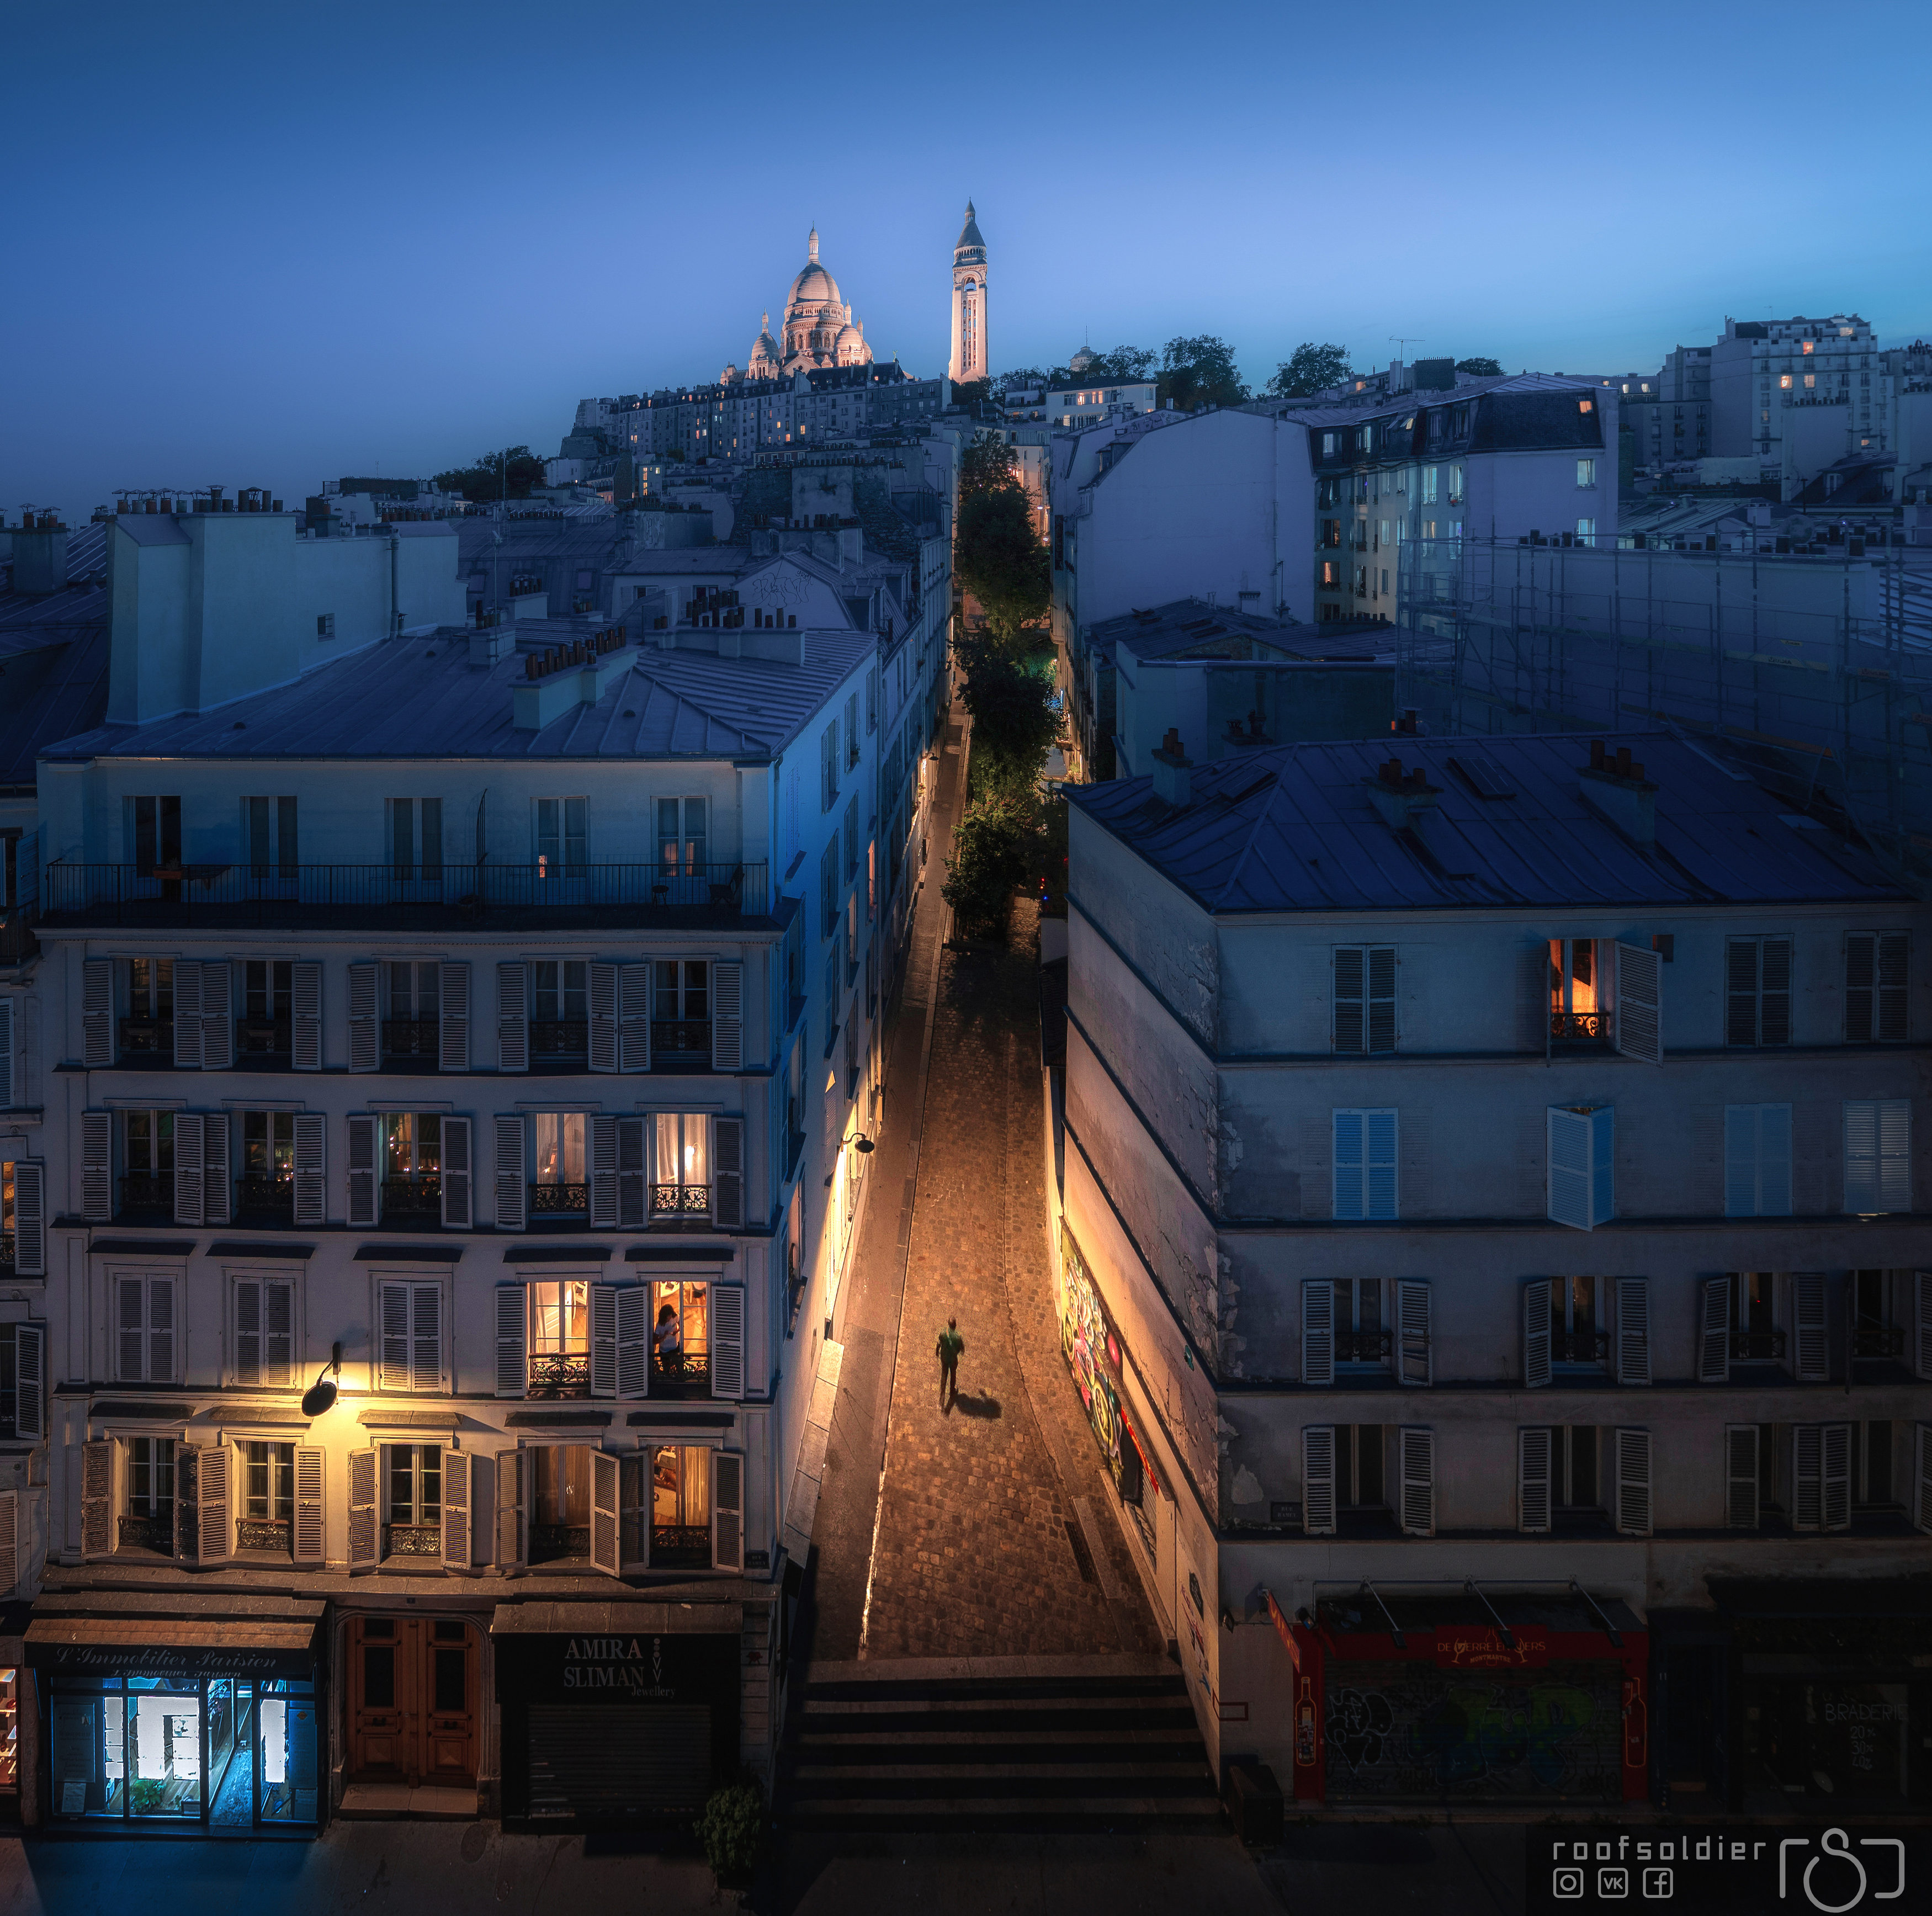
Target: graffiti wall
[(1091, 1346), (1413, 1732)]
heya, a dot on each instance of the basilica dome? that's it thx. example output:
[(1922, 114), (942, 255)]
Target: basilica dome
[(814, 287)]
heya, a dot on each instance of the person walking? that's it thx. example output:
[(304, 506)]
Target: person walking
[(949, 1346)]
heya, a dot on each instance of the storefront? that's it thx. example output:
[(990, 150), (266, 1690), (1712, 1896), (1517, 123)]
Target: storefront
[(166, 1725), (14, 1687), (615, 1716), (1090, 1342), (1494, 1698)]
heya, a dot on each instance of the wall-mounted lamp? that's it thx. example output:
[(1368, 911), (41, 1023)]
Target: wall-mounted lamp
[(320, 1394), (863, 1145)]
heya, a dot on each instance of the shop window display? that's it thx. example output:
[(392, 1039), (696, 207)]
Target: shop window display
[(10, 1730)]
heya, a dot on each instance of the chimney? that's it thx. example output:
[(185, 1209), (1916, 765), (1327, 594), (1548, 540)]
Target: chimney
[(1614, 787), (1173, 772), (39, 555), (1404, 800)]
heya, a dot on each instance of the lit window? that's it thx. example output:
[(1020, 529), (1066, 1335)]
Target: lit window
[(1586, 405), (1784, 381), (1810, 380), (1808, 345), (1586, 471)]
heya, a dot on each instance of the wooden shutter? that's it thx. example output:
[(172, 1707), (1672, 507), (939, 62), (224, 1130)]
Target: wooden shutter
[(1774, 1160), (1638, 1031), (604, 1532), (1714, 1331), (1318, 1330), (217, 1016), (1861, 1155), (30, 1376), (428, 1370), (1351, 1026), (1741, 991), (1415, 1447), (512, 1534), (1921, 1477), (392, 1359), (727, 1340), (97, 1013), (603, 1173), (1414, 1359), (452, 1030), (365, 1037), (1807, 1476), (1378, 1169), (361, 1171), (96, 1498), (310, 1530), (1741, 1443), (634, 1195), (604, 1017), (459, 1174), (1836, 1444), (1533, 1447), (1774, 1013), (1580, 1146), (1348, 1141), (1811, 1339), (130, 1330), (1632, 1334), (1741, 1160), (1921, 1321), (1630, 1463), (365, 1541), (1381, 1006), (1318, 1479), (160, 1330), (633, 1340), (1894, 1154), (10, 1049), (30, 1217), (512, 1370), (1537, 1366), (191, 1172), (1895, 958), (214, 1530), (248, 1330), (188, 1479), (728, 1511), (1877, 976), (10, 1541), (216, 1191), (188, 1014), (727, 1173), (513, 1017), (305, 1015), (512, 1193), (603, 1340), (727, 1017), (97, 1166), (311, 1167), (458, 1494), (634, 1018)]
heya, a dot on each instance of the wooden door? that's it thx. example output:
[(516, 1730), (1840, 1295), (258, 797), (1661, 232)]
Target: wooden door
[(412, 1701)]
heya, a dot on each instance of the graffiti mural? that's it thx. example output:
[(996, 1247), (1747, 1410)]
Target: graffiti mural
[(1091, 1346), (1412, 1730)]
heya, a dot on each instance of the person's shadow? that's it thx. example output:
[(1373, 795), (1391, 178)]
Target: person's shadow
[(975, 1407)]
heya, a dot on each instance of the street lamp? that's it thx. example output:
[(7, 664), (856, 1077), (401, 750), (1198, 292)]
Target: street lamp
[(320, 1396), (862, 1144)]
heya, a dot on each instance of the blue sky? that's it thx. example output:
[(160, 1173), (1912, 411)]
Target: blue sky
[(266, 245)]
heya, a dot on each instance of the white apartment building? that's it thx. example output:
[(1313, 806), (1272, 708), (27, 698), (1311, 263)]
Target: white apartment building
[(1494, 1194), (444, 1064), (1763, 373)]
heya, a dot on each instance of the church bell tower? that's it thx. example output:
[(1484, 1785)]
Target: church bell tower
[(969, 360)]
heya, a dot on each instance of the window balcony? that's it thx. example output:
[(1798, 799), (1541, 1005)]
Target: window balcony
[(674, 1203), (260, 1198), (557, 1374), (156, 1534), (568, 1201), (680, 1547), (681, 1038), (1363, 1347), (507, 897), (412, 1540), (685, 1373), (263, 1533), (559, 1037), (1579, 1347), (417, 1195), (149, 1191), (410, 1037), (144, 1039), (1579, 1027), (1757, 1347), (261, 1037), (1878, 1340)]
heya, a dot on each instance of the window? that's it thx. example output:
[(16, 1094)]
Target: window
[(680, 1507), (681, 1176), (1784, 382), (560, 1022), (270, 824), (412, 1164), (1755, 1336), (1580, 1145), (1556, 1472), (264, 1317), (1362, 1335), (681, 838), (413, 1492), (1455, 485), (409, 1316), (1586, 532), (1878, 1155), (558, 1186), (680, 1338), (1874, 1335), (852, 748), (1877, 971), (680, 1010), (268, 1181), (834, 973), (268, 1497), (1810, 381), (148, 1523), (148, 1161), (561, 841), (872, 700), (828, 767), (1430, 476), (850, 834), (1757, 991), (267, 987), (413, 1026), (560, 1337), (325, 625), (828, 889), (1365, 1178), (1576, 1334), (1757, 1160), (1586, 471), (1577, 1010), (416, 839), (154, 831)]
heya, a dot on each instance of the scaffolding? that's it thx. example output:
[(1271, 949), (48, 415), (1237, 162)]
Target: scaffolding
[(1812, 670)]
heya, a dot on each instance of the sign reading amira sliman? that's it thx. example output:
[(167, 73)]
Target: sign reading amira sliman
[(616, 1663)]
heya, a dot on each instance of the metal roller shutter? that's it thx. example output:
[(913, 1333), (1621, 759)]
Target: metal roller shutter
[(616, 1760)]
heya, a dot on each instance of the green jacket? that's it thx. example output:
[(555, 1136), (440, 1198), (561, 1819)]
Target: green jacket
[(950, 1345)]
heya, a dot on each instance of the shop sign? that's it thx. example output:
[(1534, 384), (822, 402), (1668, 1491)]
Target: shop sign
[(186, 1661), (1485, 1650), (1283, 1629), (625, 1666)]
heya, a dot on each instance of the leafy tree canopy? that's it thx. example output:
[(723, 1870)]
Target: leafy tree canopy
[(1310, 368), (1480, 369), (989, 862), (487, 480), (988, 466), (1198, 371)]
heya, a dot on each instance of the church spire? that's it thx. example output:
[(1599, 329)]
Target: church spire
[(811, 246)]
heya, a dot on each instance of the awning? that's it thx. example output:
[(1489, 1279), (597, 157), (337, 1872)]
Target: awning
[(183, 1646), (393, 1418)]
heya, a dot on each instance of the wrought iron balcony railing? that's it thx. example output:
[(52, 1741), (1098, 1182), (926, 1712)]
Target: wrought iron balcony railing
[(559, 1037), (681, 1037), (670, 1202), (685, 1373), (559, 1374), (148, 1533), (262, 1534), (1363, 1347), (681, 1546), (264, 1197), (1757, 1346), (1579, 1026), (263, 1036), (1579, 1347), (410, 1037), (487, 895), (1878, 1340), (559, 1200), (419, 1195), (413, 1540), (147, 1191), (148, 1037)]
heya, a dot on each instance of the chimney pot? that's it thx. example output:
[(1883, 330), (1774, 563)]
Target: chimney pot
[(1596, 754)]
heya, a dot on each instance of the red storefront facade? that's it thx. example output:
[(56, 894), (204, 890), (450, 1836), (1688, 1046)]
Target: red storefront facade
[(1499, 1699)]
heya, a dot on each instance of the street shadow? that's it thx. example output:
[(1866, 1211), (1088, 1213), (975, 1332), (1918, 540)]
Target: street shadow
[(976, 1407)]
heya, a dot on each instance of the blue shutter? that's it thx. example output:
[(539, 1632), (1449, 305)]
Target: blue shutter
[(1347, 1148)]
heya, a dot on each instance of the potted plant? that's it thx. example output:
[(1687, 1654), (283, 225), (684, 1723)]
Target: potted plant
[(732, 1830)]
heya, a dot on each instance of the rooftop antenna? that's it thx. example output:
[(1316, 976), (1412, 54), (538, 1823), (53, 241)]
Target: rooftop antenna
[(1405, 341)]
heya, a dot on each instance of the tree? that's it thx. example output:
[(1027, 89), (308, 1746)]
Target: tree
[(1310, 368), (1124, 362), (989, 862), (970, 393), (1014, 722), (485, 481), (998, 555), (987, 466), (1198, 371), (1480, 369)]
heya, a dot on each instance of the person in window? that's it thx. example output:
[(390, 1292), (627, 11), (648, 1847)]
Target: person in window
[(669, 1338)]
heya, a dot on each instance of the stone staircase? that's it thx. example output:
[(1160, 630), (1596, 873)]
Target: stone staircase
[(1009, 1742)]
